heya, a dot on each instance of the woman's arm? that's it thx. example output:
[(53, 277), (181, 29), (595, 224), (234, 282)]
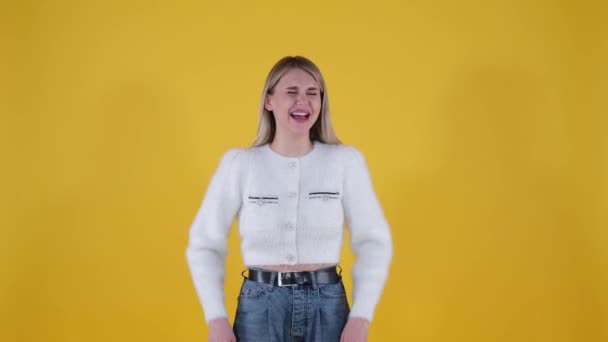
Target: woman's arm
[(370, 236), (207, 246)]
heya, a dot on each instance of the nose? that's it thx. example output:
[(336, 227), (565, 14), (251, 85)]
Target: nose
[(301, 99)]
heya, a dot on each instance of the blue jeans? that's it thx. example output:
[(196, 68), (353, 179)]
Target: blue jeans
[(303, 313)]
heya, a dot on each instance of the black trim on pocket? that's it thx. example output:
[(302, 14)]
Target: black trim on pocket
[(261, 200), (324, 195)]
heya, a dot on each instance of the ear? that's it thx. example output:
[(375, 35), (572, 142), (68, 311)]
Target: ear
[(267, 103)]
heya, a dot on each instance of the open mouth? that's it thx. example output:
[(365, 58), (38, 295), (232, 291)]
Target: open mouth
[(300, 116)]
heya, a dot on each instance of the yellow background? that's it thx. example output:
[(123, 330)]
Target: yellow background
[(484, 124)]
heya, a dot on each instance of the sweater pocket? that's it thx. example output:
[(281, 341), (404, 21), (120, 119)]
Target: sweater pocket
[(260, 211), (327, 206)]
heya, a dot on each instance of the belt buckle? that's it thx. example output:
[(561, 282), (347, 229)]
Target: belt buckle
[(280, 282)]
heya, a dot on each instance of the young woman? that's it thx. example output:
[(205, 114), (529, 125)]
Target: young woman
[(292, 191)]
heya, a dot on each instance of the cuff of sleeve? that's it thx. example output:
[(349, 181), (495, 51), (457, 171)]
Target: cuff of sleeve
[(361, 311), (214, 313)]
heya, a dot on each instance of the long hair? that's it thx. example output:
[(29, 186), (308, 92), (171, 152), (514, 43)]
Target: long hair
[(322, 130)]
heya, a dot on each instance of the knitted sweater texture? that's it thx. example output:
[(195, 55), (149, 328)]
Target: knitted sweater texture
[(291, 211)]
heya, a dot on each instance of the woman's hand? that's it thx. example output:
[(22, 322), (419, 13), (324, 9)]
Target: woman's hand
[(355, 330), (220, 330)]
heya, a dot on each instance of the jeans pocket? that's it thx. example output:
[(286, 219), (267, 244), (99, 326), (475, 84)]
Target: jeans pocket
[(251, 320), (333, 310), (253, 289), (332, 291)]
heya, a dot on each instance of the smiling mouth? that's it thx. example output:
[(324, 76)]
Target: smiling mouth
[(300, 116)]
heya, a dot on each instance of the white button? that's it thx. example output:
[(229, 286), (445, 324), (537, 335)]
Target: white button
[(291, 257), (292, 194), (293, 164), (260, 202), (325, 198), (289, 226)]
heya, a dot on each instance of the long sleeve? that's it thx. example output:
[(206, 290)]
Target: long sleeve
[(370, 236), (207, 245)]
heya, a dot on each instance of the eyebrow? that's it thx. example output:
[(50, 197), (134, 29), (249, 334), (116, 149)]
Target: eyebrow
[(296, 87)]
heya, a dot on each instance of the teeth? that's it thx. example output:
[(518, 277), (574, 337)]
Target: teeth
[(299, 114)]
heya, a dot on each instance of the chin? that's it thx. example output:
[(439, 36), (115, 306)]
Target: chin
[(300, 132)]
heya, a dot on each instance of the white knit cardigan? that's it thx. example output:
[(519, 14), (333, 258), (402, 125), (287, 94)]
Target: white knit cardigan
[(291, 211)]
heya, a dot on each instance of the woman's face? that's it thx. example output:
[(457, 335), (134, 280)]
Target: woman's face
[(295, 102)]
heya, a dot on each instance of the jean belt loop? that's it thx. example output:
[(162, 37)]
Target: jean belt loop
[(313, 277), (273, 277)]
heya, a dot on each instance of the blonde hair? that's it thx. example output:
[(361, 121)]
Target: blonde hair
[(322, 130)]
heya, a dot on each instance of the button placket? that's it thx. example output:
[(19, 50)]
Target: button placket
[(291, 211)]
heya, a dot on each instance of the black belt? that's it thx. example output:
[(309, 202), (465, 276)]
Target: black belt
[(323, 276)]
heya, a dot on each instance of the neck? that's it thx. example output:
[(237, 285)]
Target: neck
[(292, 146)]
